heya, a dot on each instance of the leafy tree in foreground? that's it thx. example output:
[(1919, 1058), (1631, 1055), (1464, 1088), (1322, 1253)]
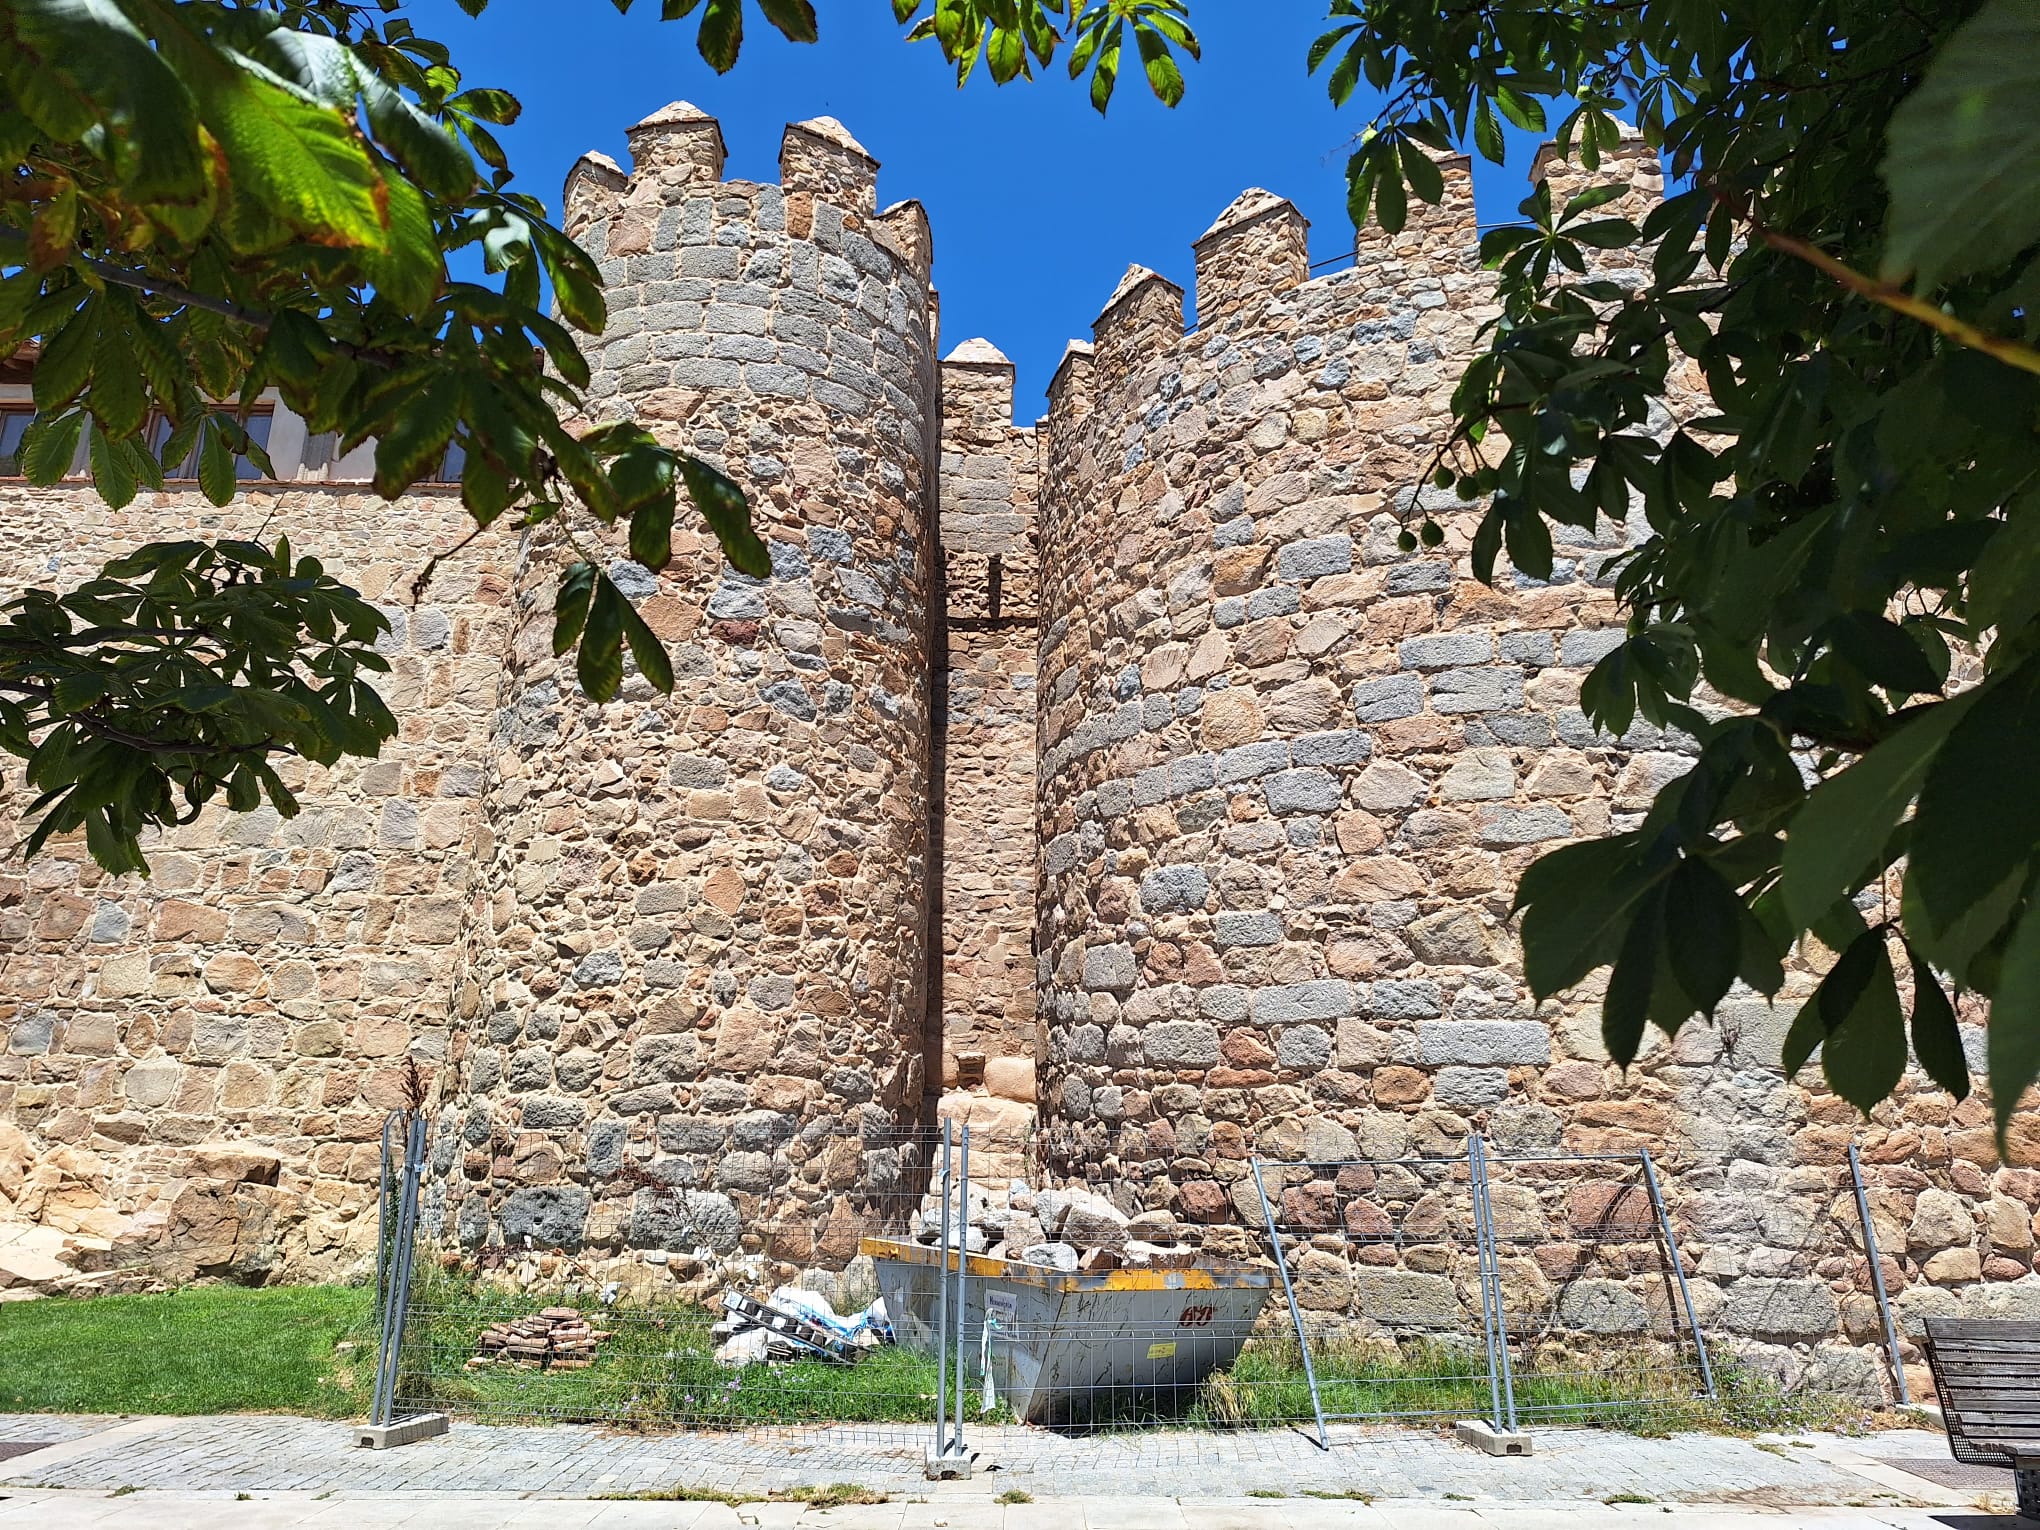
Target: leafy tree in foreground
[(205, 199), (1847, 551)]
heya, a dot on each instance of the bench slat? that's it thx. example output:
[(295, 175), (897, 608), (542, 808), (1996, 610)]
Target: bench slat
[(2003, 1354), (1992, 1427), (1988, 1375), (1983, 1328)]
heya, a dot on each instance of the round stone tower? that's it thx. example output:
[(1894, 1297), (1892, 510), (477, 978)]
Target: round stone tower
[(1289, 771), (699, 960)]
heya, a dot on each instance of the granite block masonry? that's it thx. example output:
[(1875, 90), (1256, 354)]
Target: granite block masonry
[(1114, 784)]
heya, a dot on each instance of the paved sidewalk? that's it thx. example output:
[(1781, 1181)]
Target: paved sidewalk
[(957, 1508), (294, 1455), (279, 1473)]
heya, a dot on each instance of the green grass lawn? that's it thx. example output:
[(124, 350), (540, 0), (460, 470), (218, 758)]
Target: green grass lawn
[(207, 1349), (230, 1349)]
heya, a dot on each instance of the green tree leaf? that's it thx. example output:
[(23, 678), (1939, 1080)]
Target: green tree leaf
[(416, 440), (216, 468), (647, 651), (1837, 840), (1578, 904), (1963, 162), (599, 665), (49, 446), (1864, 1055), (570, 607), (300, 161), (1936, 1036), (722, 505), (1976, 826), (1703, 927), (2014, 1030), (720, 39), (81, 66)]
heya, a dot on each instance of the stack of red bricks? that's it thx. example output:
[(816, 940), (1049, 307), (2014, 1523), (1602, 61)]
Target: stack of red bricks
[(556, 1339)]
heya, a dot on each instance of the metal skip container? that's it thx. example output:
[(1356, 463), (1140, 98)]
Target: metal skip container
[(1055, 1347)]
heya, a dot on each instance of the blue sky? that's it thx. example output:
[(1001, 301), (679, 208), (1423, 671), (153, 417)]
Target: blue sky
[(1038, 204)]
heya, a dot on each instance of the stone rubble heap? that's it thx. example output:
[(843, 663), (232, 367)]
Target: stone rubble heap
[(557, 1339), (1068, 1230)]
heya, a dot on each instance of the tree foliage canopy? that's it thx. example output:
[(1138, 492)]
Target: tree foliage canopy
[(209, 199), (1836, 591)]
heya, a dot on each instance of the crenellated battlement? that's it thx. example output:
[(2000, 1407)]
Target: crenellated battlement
[(1259, 246), (1422, 285), (678, 155)]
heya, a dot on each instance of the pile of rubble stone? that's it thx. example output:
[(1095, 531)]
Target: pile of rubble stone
[(556, 1339), (1069, 1230)]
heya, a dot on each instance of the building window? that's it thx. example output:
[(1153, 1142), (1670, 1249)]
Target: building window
[(258, 426), (13, 424)]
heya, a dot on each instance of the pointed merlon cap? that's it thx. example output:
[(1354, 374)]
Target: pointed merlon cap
[(678, 137), (1259, 246), (592, 187), (1077, 354), (1130, 283), (599, 168), (832, 130), (1140, 293), (673, 113), (1639, 162), (1629, 139), (1250, 205), (903, 228), (820, 158), (977, 353)]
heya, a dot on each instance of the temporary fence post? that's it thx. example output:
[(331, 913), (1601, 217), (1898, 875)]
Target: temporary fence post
[(1474, 1182), (1295, 1312), (386, 1223), (1671, 1242), (395, 1290), (962, 1294), (1484, 1231), (1876, 1259), (942, 1309), (949, 1458)]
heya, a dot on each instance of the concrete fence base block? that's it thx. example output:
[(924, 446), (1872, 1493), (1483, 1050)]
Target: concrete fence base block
[(1482, 1435), (950, 1466), (405, 1431)]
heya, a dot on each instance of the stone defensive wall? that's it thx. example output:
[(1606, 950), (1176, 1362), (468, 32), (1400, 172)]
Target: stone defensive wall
[(1117, 786), (992, 1040), (1289, 775), (196, 1066)]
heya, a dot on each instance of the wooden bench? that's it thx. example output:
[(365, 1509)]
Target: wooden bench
[(1987, 1374)]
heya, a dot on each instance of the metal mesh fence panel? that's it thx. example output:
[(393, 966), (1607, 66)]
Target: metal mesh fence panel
[(724, 1325), (1598, 1325), (1383, 1277)]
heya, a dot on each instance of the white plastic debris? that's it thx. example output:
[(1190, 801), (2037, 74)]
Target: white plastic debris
[(753, 1346)]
